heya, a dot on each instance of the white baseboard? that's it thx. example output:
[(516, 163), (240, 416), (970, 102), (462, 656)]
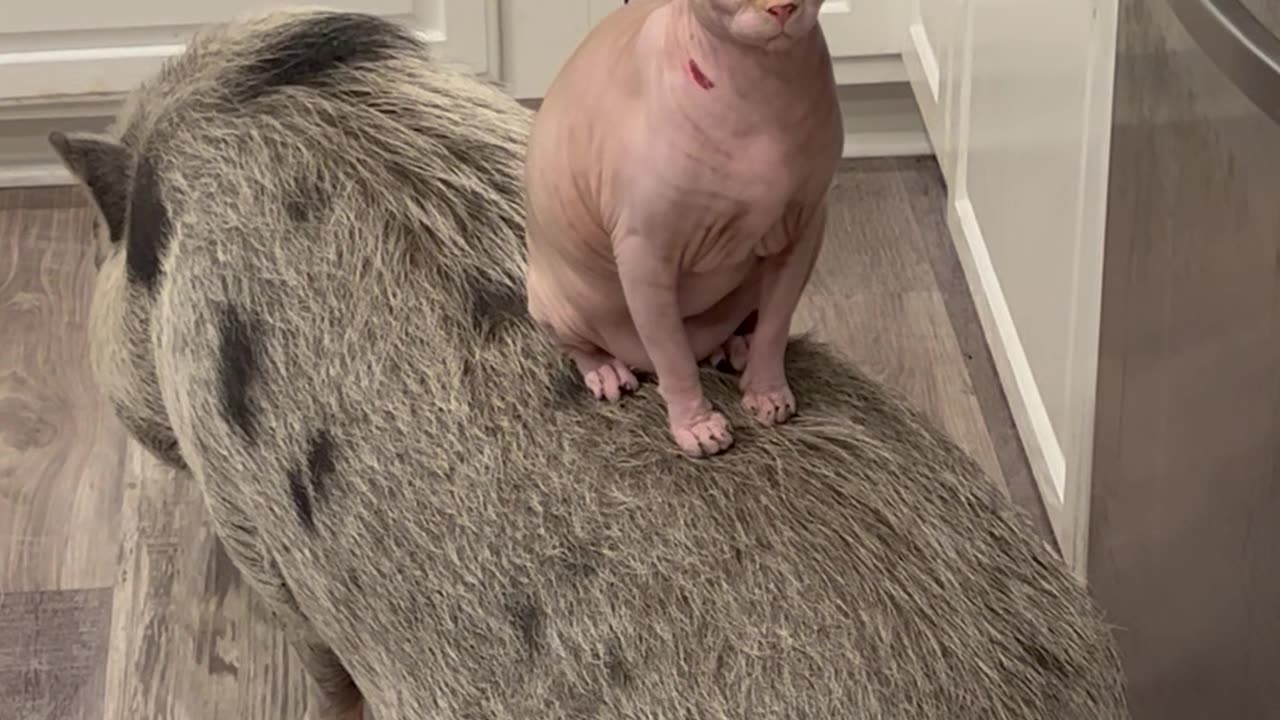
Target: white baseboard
[(1044, 451), (882, 120), (34, 175)]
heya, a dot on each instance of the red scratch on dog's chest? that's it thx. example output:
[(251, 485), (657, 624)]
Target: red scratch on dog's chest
[(699, 77)]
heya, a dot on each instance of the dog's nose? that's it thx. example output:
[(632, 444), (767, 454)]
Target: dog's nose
[(782, 11)]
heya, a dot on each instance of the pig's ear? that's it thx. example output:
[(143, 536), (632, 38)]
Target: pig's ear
[(102, 164)]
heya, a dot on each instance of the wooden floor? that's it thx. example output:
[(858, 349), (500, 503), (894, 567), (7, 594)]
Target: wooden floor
[(115, 600)]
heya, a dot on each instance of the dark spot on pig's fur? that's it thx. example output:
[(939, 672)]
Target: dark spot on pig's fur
[(527, 620), (157, 438), (148, 226), (301, 499), (494, 305), (305, 201), (237, 369), (581, 563), (1044, 659), (305, 53), (320, 464), (615, 664), (309, 488), (298, 209)]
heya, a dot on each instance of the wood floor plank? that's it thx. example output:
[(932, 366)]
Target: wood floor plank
[(922, 186), (869, 247), (188, 640), (60, 197), (61, 449), (52, 651)]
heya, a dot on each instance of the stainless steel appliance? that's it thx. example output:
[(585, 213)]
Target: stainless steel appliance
[(1185, 530)]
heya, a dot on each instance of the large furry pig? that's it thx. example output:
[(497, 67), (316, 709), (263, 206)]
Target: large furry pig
[(311, 298)]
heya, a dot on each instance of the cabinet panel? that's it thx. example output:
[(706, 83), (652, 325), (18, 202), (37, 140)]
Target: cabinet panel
[(84, 54), (861, 28), (1032, 131), (538, 36), (935, 40), (1025, 148), (71, 15)]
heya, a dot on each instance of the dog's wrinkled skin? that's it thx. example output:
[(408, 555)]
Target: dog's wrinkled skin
[(677, 184), (312, 299)]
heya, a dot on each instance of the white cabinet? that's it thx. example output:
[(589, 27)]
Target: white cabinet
[(538, 36), (935, 34), (1017, 99), (864, 28), (61, 48)]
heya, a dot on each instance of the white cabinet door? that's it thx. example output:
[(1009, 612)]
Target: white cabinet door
[(1032, 136), (936, 33), (538, 36), (864, 28), (54, 48)]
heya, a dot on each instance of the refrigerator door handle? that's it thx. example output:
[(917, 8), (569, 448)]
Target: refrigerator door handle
[(1239, 44)]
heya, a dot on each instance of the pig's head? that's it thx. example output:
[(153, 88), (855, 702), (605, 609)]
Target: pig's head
[(766, 24)]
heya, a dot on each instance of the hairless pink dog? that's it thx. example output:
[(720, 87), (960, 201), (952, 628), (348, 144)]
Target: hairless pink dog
[(677, 180)]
